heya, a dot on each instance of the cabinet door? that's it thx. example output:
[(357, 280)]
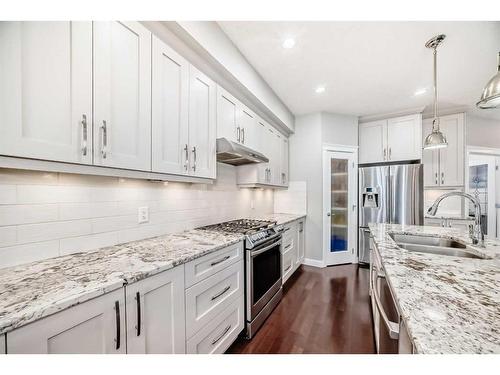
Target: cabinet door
[(169, 110), (46, 90), (248, 124), (93, 327), (451, 158), (202, 124), (284, 161), (156, 314), (404, 138), (430, 158), (264, 148), (227, 115), (300, 243), (372, 142), (122, 95), (276, 178)]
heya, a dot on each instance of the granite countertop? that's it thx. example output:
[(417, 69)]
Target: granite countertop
[(280, 218), (449, 304), (32, 291), (449, 216)]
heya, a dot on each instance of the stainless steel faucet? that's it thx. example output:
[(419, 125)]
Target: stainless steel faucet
[(476, 234)]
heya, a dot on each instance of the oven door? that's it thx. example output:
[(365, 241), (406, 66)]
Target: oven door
[(263, 275)]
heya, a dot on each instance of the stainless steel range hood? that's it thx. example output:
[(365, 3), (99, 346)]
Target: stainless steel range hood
[(235, 154)]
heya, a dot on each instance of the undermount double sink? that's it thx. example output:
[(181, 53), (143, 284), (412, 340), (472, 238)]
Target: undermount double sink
[(433, 245)]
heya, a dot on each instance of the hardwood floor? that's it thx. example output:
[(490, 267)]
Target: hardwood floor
[(324, 310)]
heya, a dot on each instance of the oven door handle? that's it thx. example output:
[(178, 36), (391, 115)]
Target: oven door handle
[(258, 252), (391, 326)]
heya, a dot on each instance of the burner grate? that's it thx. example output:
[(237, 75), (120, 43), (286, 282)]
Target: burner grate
[(244, 226)]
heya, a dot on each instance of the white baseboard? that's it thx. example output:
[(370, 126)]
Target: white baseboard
[(313, 262)]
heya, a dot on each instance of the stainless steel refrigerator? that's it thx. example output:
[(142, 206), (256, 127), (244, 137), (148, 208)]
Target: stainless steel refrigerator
[(388, 194)]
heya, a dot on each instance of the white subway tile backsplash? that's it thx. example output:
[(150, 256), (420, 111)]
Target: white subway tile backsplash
[(48, 214), (8, 194), (20, 254), (28, 214), (49, 231)]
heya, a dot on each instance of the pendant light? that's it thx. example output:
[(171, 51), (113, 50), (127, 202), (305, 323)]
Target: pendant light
[(491, 92), (436, 139)]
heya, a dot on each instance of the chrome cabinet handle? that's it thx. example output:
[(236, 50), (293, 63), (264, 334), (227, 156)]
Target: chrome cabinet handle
[(385, 154), (226, 330), (138, 301), (243, 135), (194, 158), (117, 317), (442, 178), (238, 133), (222, 292), (186, 163), (436, 174), (104, 147), (290, 266), (288, 246), (84, 135), (220, 261), (390, 153)]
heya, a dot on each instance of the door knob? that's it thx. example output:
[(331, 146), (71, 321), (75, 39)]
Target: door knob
[(329, 214)]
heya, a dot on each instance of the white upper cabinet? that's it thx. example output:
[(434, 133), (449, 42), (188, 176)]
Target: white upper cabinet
[(156, 314), (372, 142), (93, 327), (46, 90), (247, 124), (404, 141), (284, 161), (395, 139), (445, 167), (227, 115), (122, 95), (170, 103), (202, 124)]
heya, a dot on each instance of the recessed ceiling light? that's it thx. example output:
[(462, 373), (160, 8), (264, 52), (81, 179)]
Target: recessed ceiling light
[(288, 43), (320, 89), (420, 92)]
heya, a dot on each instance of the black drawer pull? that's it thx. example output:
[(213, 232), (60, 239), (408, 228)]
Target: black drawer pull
[(138, 300), (226, 330), (220, 261), (221, 292), (117, 316)]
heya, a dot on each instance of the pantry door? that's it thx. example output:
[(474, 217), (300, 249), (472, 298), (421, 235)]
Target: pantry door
[(339, 206)]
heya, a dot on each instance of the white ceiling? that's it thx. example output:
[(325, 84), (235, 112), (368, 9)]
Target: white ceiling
[(370, 68)]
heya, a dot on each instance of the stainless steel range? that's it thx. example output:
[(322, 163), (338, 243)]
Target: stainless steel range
[(263, 286)]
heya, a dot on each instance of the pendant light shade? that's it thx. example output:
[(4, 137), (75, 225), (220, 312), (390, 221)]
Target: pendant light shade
[(491, 92), (436, 139)]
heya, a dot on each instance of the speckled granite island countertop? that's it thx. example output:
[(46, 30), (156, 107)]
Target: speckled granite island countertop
[(449, 304), (32, 291)]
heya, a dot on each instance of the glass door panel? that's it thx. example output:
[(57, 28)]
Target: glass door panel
[(339, 183)]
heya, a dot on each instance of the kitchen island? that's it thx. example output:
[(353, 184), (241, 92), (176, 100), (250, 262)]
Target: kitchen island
[(448, 304)]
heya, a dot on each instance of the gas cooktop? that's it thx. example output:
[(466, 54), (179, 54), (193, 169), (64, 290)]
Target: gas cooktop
[(243, 226)]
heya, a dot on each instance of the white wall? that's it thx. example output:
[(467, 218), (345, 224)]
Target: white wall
[(44, 215), (483, 132), (311, 132)]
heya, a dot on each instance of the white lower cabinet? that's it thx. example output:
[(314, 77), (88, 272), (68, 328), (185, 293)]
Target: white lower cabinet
[(293, 250), (3, 346), (93, 327), (156, 314), (208, 298), (221, 332)]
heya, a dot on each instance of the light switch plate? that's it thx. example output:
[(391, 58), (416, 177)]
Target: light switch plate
[(143, 215)]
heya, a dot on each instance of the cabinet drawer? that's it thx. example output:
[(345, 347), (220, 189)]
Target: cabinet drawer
[(201, 268), (207, 299), (288, 263), (220, 333)]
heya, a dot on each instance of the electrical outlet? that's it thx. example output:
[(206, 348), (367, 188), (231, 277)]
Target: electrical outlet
[(143, 215)]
